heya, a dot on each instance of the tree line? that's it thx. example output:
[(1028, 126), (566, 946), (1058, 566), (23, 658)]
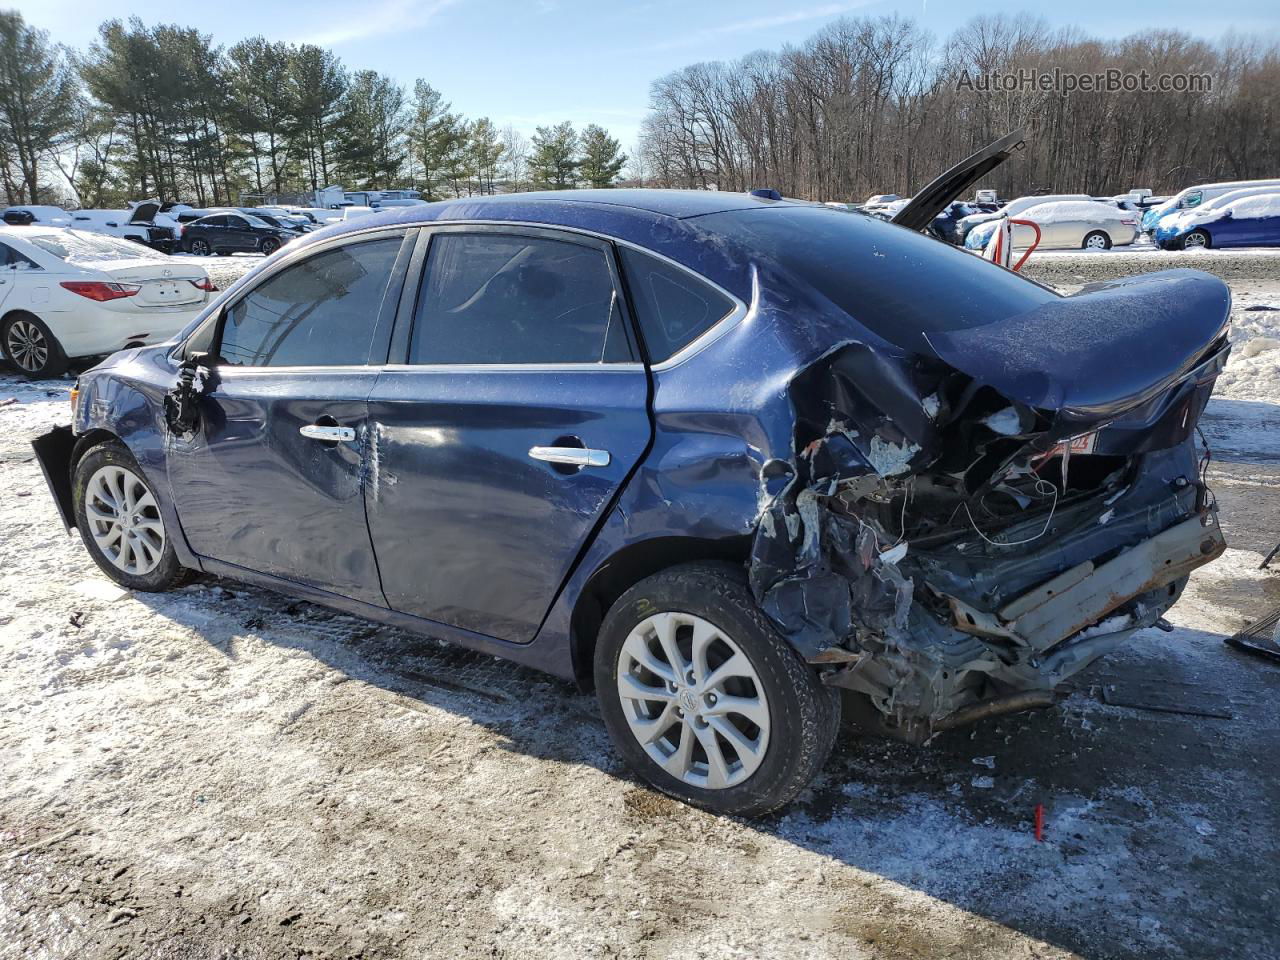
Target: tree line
[(161, 112), (877, 105), (866, 105)]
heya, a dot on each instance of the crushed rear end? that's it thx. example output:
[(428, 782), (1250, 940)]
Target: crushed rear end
[(970, 525)]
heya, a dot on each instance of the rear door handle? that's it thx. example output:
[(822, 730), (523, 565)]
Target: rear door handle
[(317, 431), (573, 456)]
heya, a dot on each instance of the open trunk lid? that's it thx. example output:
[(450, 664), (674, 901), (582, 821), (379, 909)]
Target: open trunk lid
[(941, 192)]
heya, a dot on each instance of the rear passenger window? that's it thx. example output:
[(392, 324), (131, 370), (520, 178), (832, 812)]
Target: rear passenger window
[(320, 312), (673, 307), (492, 298)]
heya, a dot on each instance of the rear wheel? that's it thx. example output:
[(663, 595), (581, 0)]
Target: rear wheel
[(1196, 240), (31, 346), (705, 700), (200, 248), (1096, 240), (120, 521)]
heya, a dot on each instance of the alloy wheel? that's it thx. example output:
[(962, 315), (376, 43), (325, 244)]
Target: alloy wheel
[(693, 700), (27, 346), (199, 248), (124, 520), (1195, 240)]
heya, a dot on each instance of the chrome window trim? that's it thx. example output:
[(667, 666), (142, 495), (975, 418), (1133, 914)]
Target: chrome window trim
[(629, 367), (713, 333), (697, 345)]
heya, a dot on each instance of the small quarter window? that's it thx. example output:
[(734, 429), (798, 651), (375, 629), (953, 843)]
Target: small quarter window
[(320, 312), (673, 307)]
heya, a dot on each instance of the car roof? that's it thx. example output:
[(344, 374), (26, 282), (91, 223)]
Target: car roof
[(664, 221)]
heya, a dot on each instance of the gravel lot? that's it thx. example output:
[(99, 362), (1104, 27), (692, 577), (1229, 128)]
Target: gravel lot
[(221, 772)]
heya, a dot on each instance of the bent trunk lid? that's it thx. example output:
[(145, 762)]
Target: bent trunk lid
[(1104, 353)]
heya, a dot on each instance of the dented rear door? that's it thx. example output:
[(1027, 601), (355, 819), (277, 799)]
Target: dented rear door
[(503, 438)]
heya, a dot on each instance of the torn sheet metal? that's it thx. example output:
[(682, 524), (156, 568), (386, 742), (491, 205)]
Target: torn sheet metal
[(943, 547), (182, 403)]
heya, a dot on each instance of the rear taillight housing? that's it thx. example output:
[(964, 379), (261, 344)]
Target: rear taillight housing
[(205, 284), (100, 290)]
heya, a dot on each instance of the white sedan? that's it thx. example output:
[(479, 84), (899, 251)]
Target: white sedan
[(1065, 225), (67, 293)]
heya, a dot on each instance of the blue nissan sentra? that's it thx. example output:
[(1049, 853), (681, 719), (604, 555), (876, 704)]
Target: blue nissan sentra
[(735, 462), (1251, 221)]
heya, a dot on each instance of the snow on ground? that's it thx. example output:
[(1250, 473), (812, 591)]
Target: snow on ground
[(223, 772)]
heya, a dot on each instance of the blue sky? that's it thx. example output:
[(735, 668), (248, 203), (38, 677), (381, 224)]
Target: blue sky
[(541, 61)]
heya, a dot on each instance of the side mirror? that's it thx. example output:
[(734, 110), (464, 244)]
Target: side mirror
[(1227, 214)]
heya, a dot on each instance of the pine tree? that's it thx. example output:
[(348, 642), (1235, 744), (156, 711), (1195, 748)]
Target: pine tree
[(370, 128), (37, 99), (486, 151), (430, 127), (602, 159), (554, 162)]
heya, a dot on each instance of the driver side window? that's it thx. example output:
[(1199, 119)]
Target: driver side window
[(490, 298), (320, 312)]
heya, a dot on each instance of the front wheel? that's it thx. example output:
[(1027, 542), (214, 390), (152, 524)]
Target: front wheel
[(31, 346), (1096, 240), (703, 698), (120, 521), (1196, 240), (269, 246)]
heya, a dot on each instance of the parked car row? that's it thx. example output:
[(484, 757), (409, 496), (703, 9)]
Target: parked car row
[(1209, 215), (67, 293)]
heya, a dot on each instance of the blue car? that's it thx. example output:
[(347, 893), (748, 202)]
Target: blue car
[(735, 463), (1248, 222)]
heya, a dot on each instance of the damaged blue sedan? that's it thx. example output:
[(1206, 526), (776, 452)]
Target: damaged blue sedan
[(737, 463)]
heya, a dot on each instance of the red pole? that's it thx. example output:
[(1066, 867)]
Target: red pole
[(1040, 823)]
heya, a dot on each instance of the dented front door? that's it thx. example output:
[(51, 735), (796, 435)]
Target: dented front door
[(256, 491)]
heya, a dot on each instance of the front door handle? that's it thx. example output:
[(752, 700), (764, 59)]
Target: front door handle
[(573, 456), (318, 431)]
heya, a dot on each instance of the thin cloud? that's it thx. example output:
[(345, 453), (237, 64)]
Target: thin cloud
[(761, 23), (390, 16)]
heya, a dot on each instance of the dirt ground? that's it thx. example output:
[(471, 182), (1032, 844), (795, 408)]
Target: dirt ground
[(222, 772)]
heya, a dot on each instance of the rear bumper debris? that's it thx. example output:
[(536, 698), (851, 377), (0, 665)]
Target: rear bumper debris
[(53, 451)]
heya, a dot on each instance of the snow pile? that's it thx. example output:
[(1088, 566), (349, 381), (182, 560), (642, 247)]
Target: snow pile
[(1063, 210), (1253, 372), (1263, 205)]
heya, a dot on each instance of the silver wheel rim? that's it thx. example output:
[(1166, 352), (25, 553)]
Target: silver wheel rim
[(1096, 242), (199, 248), (693, 700), (1194, 240), (27, 346), (124, 520)]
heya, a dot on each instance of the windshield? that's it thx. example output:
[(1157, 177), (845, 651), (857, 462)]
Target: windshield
[(76, 247), (257, 221), (898, 283)]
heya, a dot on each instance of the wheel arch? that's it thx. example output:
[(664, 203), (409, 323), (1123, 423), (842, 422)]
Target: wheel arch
[(627, 567)]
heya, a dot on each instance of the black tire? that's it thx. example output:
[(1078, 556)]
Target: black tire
[(168, 573), (224, 253), (31, 348), (200, 248), (1094, 234), (1202, 236), (269, 246), (804, 714)]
